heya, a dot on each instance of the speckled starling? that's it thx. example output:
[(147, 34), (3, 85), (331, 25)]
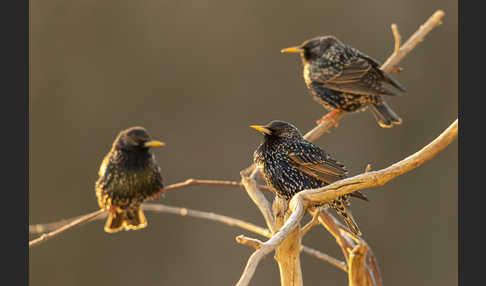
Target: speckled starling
[(291, 164), (343, 78), (128, 176)]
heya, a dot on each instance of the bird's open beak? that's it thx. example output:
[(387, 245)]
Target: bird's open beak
[(154, 143), (261, 129), (295, 49)]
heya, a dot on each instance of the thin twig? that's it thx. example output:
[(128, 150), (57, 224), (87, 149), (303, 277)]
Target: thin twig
[(192, 182), (252, 242), (237, 223), (397, 37), (336, 262), (313, 222), (417, 37), (154, 208), (209, 216), (324, 126), (160, 208), (81, 220), (368, 168)]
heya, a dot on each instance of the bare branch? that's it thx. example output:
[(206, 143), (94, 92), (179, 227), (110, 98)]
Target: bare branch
[(323, 127), (259, 199), (209, 216), (355, 251), (287, 253), (417, 37), (336, 262), (192, 182), (357, 273), (252, 242), (79, 221), (237, 223), (397, 37), (272, 243), (313, 222), (41, 228), (381, 177), (368, 168)]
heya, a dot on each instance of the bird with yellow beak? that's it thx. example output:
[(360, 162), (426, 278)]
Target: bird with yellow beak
[(128, 176)]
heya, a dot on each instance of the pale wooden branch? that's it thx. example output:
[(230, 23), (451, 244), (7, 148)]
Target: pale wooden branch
[(259, 199), (237, 223), (397, 37), (358, 274), (209, 216), (322, 256), (199, 182), (323, 127), (101, 214), (160, 208), (272, 243), (361, 272), (381, 177), (287, 253), (79, 221), (313, 222), (302, 200), (252, 242), (417, 37), (368, 168)]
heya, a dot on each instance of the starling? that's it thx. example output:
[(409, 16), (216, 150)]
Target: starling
[(342, 78), (290, 164), (128, 176)]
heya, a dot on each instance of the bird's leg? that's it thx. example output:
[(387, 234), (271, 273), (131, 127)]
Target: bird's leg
[(329, 116)]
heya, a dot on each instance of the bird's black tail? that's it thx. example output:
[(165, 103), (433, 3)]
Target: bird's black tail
[(339, 206), (384, 115), (125, 219)]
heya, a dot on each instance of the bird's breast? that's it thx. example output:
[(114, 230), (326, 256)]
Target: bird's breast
[(307, 74)]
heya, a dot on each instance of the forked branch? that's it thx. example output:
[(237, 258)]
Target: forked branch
[(302, 200)]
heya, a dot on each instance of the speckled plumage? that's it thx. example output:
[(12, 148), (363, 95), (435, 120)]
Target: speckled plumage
[(128, 176), (290, 164), (341, 77)]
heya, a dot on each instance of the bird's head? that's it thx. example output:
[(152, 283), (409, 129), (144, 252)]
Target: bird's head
[(278, 129), (312, 49), (135, 138)]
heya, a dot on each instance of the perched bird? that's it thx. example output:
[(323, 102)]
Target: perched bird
[(290, 164), (343, 78), (128, 176)]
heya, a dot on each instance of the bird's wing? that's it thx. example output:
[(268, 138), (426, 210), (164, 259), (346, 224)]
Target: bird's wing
[(313, 161), (359, 76)]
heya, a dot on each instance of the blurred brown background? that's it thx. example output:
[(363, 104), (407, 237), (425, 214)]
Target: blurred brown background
[(196, 74)]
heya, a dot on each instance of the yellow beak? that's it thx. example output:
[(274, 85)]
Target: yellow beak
[(295, 49), (154, 143), (261, 129)]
